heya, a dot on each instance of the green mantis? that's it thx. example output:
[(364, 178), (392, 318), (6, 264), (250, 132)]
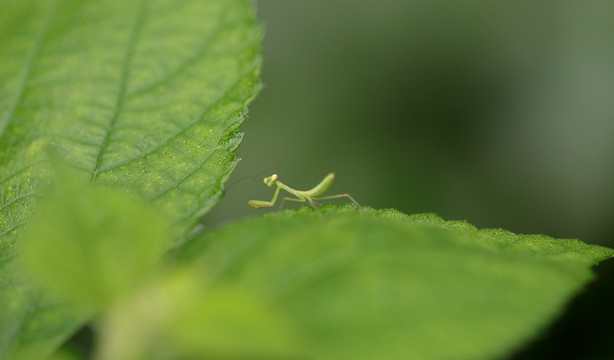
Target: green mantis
[(308, 196)]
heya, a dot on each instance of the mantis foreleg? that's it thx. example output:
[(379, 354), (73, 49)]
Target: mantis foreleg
[(260, 203)]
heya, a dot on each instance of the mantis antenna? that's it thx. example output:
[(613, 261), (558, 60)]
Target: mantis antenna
[(243, 178), (304, 196)]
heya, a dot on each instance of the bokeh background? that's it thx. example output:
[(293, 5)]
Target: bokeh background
[(498, 113)]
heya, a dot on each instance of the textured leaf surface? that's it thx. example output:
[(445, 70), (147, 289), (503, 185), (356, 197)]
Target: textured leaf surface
[(384, 285), (142, 95)]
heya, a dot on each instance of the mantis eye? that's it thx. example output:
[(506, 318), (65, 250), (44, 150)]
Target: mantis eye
[(269, 180)]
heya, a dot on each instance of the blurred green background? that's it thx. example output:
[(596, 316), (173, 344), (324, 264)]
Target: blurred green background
[(498, 113)]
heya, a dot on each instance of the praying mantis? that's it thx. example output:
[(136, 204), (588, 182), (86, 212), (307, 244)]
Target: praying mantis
[(308, 196)]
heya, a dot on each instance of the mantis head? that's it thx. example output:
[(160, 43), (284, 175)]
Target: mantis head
[(269, 181)]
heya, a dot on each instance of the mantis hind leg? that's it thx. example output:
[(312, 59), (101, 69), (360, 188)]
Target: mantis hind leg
[(338, 197), (288, 199)]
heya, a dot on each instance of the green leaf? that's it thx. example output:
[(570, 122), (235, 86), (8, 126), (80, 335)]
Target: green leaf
[(181, 317), (64, 355), (384, 285), (92, 244), (146, 96)]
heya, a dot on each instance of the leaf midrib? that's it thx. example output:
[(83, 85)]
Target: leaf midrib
[(141, 15)]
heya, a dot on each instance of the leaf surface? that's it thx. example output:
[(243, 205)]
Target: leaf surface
[(180, 317), (384, 285), (146, 96)]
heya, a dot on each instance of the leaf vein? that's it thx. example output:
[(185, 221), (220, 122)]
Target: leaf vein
[(186, 64), (27, 71), (198, 119), (18, 225), (19, 171), (17, 199), (125, 73)]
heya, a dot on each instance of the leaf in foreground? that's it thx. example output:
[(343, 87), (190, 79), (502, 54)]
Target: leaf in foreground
[(383, 285), (180, 317), (90, 247), (146, 96), (92, 244)]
